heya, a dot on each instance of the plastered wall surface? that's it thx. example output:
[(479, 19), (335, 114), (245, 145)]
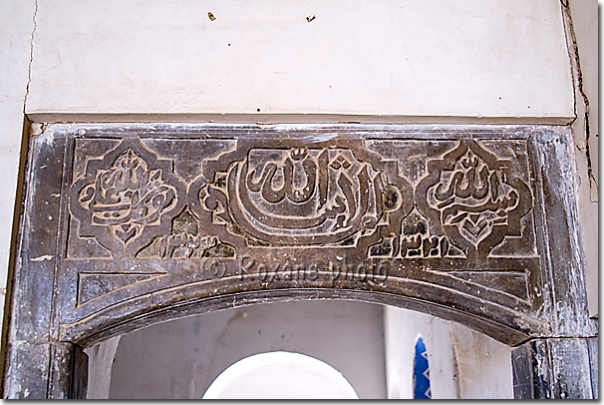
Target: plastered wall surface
[(464, 364), (583, 46), (483, 364), (402, 328), (16, 21), (438, 58), (584, 14), (100, 357), (181, 358)]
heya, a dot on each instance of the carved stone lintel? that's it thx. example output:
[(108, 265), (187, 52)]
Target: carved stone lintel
[(123, 227)]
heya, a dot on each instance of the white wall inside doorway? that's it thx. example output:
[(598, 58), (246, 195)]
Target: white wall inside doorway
[(181, 358), (371, 345)]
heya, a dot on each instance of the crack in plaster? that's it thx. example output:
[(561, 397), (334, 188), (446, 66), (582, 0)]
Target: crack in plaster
[(31, 56), (573, 51)]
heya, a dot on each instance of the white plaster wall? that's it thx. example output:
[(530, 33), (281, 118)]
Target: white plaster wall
[(401, 329), (464, 364), (584, 17), (100, 360), (16, 25), (483, 364), (437, 59), (181, 358)]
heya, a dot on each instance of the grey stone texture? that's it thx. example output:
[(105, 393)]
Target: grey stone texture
[(126, 225)]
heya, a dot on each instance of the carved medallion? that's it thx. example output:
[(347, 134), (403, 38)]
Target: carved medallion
[(474, 198), (304, 196), (126, 198)]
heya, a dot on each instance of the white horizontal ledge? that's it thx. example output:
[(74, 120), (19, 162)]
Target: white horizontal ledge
[(267, 119)]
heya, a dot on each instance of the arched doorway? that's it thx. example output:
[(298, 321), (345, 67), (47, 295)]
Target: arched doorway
[(180, 359), (280, 375), (124, 226), (370, 344)]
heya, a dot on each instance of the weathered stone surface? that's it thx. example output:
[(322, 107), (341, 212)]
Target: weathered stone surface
[(45, 370), (553, 368), (68, 371), (26, 372), (40, 235), (270, 210), (149, 223), (592, 346)]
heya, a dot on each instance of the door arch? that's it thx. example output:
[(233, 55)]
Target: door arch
[(280, 375), (128, 225)]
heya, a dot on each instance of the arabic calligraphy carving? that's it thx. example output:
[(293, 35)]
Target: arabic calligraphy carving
[(474, 198), (185, 242), (124, 196), (152, 221), (160, 213), (127, 197), (300, 197), (468, 201)]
